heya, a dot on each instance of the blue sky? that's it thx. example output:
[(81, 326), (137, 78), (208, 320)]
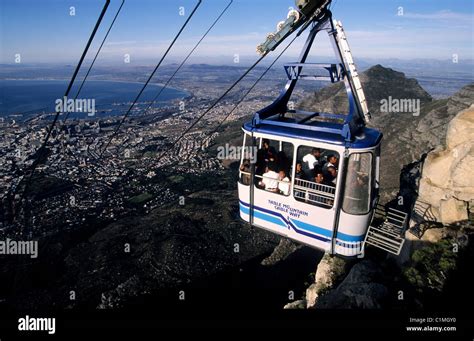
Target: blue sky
[(44, 31)]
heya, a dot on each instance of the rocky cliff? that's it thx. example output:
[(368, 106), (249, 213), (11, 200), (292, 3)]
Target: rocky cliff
[(446, 190)]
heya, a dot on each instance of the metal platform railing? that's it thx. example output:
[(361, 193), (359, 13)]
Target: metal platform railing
[(389, 235)]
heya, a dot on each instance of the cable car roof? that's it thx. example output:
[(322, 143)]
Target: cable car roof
[(315, 133)]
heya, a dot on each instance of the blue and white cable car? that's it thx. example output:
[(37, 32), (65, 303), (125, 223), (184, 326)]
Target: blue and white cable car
[(315, 176)]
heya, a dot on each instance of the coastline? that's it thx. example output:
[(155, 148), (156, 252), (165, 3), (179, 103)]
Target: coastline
[(173, 92)]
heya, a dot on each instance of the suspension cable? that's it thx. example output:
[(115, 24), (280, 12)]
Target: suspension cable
[(212, 106), (187, 130), (42, 149), (252, 87), (149, 78), (189, 55), (95, 57)]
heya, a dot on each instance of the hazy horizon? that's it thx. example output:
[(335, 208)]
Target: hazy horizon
[(399, 29)]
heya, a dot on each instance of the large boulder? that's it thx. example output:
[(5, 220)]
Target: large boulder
[(447, 183), (300, 304), (361, 289), (461, 129), (329, 272)]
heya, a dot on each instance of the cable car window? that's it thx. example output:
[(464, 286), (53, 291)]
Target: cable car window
[(358, 184), (316, 176), (272, 169), (248, 155)]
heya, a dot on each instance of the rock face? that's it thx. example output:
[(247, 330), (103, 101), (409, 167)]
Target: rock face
[(300, 304), (361, 289), (408, 137), (447, 184), (329, 271)]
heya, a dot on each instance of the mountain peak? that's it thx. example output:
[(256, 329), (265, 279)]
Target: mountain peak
[(378, 82), (379, 71)]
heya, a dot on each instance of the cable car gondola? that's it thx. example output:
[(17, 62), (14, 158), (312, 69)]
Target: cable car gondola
[(312, 176)]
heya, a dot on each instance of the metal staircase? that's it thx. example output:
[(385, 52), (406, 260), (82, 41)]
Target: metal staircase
[(389, 234)]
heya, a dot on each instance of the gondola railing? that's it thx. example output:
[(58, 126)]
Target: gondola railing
[(304, 190), (314, 193)]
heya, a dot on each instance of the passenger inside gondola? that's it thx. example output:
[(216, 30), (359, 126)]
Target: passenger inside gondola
[(284, 183), (299, 174), (319, 178), (320, 200), (310, 161), (270, 178), (260, 165), (331, 176), (269, 153), (265, 155), (332, 162), (282, 161), (245, 168)]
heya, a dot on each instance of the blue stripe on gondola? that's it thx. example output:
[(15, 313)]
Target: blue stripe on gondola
[(281, 220), (349, 238), (309, 234), (311, 228), (300, 226), (263, 216)]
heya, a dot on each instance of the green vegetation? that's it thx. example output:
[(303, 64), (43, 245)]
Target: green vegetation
[(150, 154), (176, 179), (141, 198), (46, 186), (431, 266)]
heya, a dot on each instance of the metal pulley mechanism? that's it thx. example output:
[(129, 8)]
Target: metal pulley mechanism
[(306, 11)]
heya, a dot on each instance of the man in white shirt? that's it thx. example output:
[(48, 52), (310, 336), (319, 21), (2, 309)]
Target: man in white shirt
[(270, 179), (284, 184), (310, 161)]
